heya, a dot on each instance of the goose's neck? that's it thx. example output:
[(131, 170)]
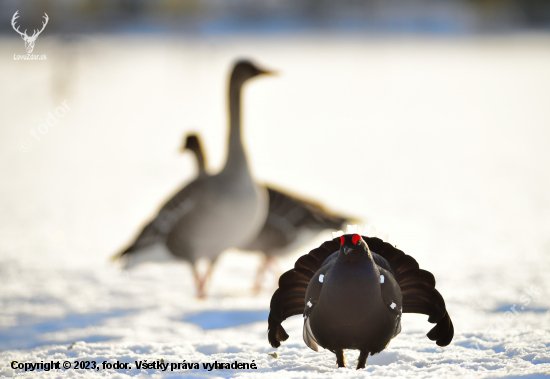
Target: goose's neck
[(236, 157), (201, 162)]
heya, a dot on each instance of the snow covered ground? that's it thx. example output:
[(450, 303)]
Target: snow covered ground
[(443, 144)]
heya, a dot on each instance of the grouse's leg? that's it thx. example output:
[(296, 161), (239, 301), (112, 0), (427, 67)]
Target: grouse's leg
[(340, 359), (362, 361)]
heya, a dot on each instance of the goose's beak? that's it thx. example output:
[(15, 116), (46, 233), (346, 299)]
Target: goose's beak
[(268, 72)]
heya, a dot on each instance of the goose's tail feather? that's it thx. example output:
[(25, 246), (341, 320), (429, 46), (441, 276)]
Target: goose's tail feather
[(149, 236)]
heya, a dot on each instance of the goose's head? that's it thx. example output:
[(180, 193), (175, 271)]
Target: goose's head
[(191, 142), (245, 70)]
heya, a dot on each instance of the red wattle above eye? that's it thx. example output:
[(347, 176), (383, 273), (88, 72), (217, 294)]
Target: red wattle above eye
[(342, 240), (355, 238)]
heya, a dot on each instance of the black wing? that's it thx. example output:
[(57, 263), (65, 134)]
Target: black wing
[(312, 295), (289, 299)]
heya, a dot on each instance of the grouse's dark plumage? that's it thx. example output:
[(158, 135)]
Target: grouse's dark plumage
[(352, 291)]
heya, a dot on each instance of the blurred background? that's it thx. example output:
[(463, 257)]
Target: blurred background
[(429, 120), (199, 17)]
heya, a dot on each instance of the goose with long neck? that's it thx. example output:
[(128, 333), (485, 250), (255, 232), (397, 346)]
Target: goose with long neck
[(193, 143), (236, 157), (213, 212), (291, 221)]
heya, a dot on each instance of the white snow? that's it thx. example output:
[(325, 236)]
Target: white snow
[(351, 229), (453, 142), (337, 234)]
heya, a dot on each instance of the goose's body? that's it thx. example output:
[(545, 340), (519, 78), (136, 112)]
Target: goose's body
[(353, 298), (291, 221), (213, 212)]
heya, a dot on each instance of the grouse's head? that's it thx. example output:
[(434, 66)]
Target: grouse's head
[(191, 143), (353, 248), (244, 70)]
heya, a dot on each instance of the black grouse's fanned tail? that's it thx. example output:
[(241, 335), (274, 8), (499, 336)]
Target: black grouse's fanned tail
[(289, 299), (417, 287)]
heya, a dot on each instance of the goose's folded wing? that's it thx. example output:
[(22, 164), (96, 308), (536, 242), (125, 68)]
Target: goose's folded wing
[(298, 212), (157, 229), (288, 216), (178, 206), (289, 299), (418, 290)]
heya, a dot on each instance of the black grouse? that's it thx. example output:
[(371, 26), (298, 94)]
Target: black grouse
[(353, 297)]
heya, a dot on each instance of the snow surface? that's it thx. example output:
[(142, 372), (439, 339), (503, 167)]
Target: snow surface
[(443, 144)]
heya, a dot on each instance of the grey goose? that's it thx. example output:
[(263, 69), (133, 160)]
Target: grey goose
[(213, 212), (291, 221)]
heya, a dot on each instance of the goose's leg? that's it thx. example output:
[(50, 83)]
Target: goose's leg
[(274, 267), (198, 282), (260, 275), (201, 293), (205, 279), (270, 263), (362, 361), (340, 359)]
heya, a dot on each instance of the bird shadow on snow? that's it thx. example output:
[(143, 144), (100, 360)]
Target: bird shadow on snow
[(470, 344), (386, 358), (28, 336), (226, 319), (508, 307)]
